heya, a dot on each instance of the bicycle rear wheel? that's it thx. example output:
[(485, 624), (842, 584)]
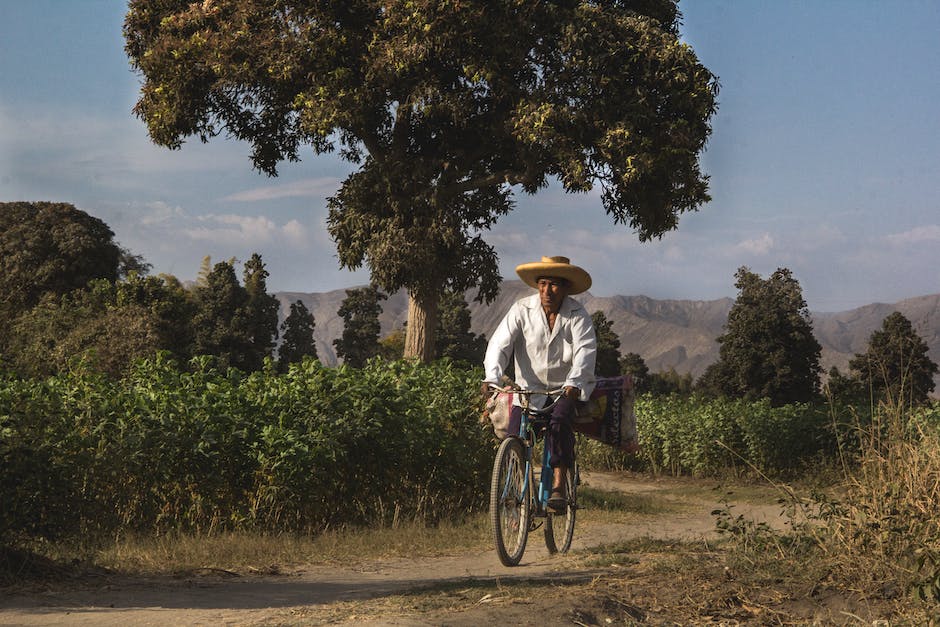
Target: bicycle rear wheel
[(559, 528), (509, 501)]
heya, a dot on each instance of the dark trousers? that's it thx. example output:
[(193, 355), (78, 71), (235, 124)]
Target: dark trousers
[(560, 436)]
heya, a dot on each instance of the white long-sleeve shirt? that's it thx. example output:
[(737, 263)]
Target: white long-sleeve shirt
[(545, 358)]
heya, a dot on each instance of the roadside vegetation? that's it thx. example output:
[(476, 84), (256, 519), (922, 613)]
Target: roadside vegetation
[(396, 447), (148, 426)]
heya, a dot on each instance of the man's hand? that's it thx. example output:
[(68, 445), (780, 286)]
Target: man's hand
[(572, 392)]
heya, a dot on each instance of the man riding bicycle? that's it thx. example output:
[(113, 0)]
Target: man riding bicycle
[(551, 339)]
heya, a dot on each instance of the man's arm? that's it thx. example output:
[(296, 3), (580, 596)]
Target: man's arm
[(499, 348)]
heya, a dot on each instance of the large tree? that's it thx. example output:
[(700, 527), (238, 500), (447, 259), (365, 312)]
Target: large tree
[(896, 363), (446, 107), (48, 247), (768, 349)]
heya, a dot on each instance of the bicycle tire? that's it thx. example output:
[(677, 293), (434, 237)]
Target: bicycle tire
[(510, 508), (559, 528)]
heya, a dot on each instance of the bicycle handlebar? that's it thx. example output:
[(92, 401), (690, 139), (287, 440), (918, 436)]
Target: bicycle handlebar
[(515, 389)]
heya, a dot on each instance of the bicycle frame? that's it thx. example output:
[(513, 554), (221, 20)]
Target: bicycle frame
[(519, 503), (529, 435)]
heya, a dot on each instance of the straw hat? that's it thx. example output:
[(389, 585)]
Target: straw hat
[(555, 267)]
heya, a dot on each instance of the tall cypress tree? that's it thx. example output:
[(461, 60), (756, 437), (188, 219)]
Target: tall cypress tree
[(608, 346), (219, 325), (297, 333), (260, 313), (360, 313), (453, 338)]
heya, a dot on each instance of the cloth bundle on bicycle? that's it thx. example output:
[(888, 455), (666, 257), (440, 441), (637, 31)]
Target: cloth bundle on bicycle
[(608, 416)]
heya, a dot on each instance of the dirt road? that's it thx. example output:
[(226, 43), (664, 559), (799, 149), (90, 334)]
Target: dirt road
[(316, 594)]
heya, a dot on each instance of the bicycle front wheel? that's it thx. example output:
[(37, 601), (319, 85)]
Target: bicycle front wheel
[(559, 527), (509, 501)]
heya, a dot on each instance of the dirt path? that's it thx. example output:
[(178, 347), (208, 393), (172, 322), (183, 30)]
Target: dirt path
[(307, 594)]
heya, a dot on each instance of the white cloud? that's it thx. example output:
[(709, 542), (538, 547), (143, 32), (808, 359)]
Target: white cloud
[(918, 235), (232, 229), (756, 246), (314, 188), (295, 233), (160, 212), (505, 240), (240, 230), (674, 254)]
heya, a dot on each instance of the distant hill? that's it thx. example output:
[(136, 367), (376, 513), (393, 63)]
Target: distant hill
[(676, 334)]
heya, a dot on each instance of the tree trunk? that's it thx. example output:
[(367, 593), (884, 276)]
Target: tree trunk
[(422, 324)]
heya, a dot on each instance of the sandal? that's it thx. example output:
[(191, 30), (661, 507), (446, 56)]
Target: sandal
[(557, 501)]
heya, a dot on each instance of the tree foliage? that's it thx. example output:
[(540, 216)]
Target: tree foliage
[(49, 248), (453, 338), (768, 349), (634, 365), (896, 364), (392, 346), (669, 381), (219, 324), (444, 107), (846, 389), (260, 316), (660, 383), (360, 313), (108, 324), (235, 323), (70, 294), (608, 346), (297, 339), (63, 330)]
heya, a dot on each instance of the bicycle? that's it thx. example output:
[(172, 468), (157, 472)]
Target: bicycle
[(516, 507)]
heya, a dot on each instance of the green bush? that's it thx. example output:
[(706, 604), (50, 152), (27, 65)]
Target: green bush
[(165, 448), (707, 437)]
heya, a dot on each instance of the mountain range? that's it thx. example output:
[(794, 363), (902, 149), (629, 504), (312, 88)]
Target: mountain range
[(677, 334)]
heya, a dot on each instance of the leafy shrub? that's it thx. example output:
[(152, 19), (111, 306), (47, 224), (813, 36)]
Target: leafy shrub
[(165, 448), (707, 437)]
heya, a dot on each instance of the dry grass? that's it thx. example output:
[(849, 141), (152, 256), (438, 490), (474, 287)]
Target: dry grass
[(886, 533), (245, 552), (875, 536)]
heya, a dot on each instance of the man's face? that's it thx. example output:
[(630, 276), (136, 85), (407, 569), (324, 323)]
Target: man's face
[(552, 291)]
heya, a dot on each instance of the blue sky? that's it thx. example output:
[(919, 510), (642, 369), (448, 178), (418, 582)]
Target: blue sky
[(825, 159)]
